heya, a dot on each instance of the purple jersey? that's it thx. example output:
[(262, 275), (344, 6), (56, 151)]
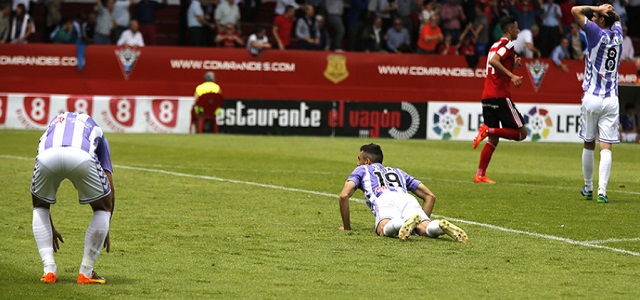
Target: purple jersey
[(604, 48), (80, 131), (376, 179)]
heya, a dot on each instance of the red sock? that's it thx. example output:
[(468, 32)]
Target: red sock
[(505, 133), (485, 158)]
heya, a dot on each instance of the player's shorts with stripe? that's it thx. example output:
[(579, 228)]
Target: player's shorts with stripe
[(56, 164), (501, 112), (599, 117), (391, 205)]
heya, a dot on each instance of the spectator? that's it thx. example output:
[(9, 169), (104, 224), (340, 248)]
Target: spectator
[(467, 48), (446, 47), (619, 8), (480, 30), (89, 28), (77, 27), (407, 10), (372, 37), (307, 30), (104, 23), (629, 124), (561, 52), (525, 16), (22, 26), (5, 11), (121, 14), (397, 37), (145, 12), (335, 9), (428, 10), (384, 9), (524, 44), (281, 5), (627, 46), (132, 36), (356, 13), (430, 36), (318, 6), (229, 38), (251, 9), (25, 3), (209, 8), (551, 30), (452, 16), (228, 12), (282, 26), (633, 18), (258, 41), (196, 23), (52, 17), (577, 42), (325, 39), (567, 18), (64, 34)]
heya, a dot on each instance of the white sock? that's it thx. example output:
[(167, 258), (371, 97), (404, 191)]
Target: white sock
[(392, 227), (94, 239), (44, 238), (434, 230), (587, 168), (604, 171)]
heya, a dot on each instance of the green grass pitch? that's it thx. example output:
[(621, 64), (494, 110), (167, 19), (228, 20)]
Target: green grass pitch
[(256, 217)]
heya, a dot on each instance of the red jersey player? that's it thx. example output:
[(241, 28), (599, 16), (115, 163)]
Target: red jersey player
[(497, 108)]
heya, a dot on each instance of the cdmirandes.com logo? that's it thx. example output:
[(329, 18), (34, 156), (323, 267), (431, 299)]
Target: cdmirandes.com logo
[(447, 122), (538, 123)]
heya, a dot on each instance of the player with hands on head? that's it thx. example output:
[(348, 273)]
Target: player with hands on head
[(501, 118), (386, 191), (73, 147), (600, 109)]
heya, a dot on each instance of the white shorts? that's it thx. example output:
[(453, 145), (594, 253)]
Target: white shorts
[(55, 164), (391, 205), (599, 116)]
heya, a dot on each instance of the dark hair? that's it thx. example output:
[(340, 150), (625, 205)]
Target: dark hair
[(480, 6), (609, 19), (373, 152), (506, 22), (630, 105)]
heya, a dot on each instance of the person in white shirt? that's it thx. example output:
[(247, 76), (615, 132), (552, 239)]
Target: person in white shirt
[(523, 45), (132, 36), (627, 46)]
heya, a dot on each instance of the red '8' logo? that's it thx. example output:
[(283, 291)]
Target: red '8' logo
[(123, 110), (165, 111), (3, 109), (37, 109), (80, 104)]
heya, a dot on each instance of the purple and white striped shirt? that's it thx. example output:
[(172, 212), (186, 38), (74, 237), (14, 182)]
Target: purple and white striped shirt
[(602, 60), (376, 179), (80, 131)]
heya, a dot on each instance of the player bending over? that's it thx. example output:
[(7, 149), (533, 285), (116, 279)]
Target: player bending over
[(397, 212)]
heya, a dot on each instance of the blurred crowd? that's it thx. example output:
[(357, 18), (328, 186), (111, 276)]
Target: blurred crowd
[(439, 27)]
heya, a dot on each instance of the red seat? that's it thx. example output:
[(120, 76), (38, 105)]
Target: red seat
[(209, 103)]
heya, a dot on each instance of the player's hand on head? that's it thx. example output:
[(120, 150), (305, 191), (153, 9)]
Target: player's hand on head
[(57, 237)]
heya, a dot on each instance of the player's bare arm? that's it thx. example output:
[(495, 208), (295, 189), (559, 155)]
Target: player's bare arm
[(497, 64), (580, 12), (347, 191), (428, 197)]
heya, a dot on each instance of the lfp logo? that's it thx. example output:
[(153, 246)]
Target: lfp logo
[(447, 122), (538, 123)]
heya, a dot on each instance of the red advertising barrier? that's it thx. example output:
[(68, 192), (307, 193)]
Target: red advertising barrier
[(275, 75)]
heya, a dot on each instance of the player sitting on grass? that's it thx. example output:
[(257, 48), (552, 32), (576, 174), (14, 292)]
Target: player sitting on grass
[(397, 212)]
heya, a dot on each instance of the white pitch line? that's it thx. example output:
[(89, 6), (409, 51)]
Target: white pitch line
[(592, 244), (546, 236), (613, 241)]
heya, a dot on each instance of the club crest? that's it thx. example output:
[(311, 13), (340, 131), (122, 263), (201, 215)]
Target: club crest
[(336, 68), (537, 70), (127, 58)]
